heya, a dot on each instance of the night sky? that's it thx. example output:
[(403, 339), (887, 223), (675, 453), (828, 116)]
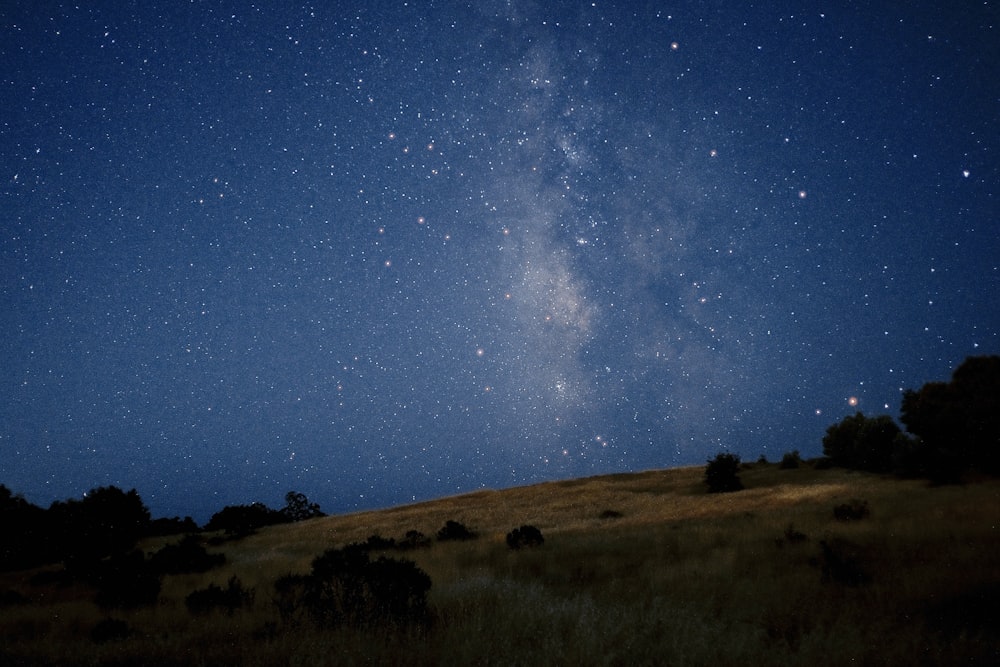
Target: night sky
[(399, 250)]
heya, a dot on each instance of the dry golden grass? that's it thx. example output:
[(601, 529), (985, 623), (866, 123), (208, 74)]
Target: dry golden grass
[(681, 577)]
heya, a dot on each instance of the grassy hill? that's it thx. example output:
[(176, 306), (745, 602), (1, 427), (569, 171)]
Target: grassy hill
[(642, 568)]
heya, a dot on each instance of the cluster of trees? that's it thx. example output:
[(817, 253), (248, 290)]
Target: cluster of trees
[(108, 522), (951, 427), (241, 520)]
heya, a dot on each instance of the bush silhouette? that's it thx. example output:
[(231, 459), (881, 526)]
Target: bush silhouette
[(346, 587), (186, 556), (175, 526), (106, 522), (298, 508), (11, 598), (793, 536), (379, 543), (453, 530), (243, 520), (125, 581), (790, 460), (110, 629), (840, 562), (525, 536), (721, 473), (414, 539), (852, 511), (228, 599), (24, 537)]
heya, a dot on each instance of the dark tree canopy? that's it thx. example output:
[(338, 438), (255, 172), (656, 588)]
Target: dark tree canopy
[(242, 520), (959, 421), (23, 535), (105, 522), (862, 443), (298, 508), (721, 473)]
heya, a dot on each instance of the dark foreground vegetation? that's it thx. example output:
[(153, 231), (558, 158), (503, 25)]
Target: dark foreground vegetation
[(829, 561), (802, 566)]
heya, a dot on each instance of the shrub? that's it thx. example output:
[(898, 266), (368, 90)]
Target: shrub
[(453, 530), (790, 460), (525, 536), (840, 562), (793, 536), (125, 581), (610, 514), (379, 543), (110, 629), (11, 598), (414, 539), (721, 474), (855, 510), (346, 587), (186, 556), (229, 599), (243, 520), (175, 526), (822, 463), (295, 596)]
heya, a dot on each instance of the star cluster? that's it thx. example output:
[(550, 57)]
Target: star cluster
[(392, 251)]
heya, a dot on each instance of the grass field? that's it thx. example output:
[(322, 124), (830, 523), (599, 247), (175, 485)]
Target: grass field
[(636, 569)]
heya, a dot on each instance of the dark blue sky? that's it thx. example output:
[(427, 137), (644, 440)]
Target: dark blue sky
[(398, 250)]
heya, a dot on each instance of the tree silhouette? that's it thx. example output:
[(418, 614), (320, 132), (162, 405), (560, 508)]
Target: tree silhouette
[(721, 473), (107, 521), (241, 520), (958, 422), (298, 508), (23, 533), (862, 443)]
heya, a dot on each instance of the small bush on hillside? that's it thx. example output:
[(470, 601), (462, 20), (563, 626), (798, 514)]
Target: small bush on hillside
[(525, 536), (228, 599), (11, 598), (110, 630), (721, 474), (793, 536), (854, 510), (610, 514), (379, 543), (125, 581), (453, 530), (790, 460), (296, 597), (346, 587), (840, 562), (186, 556), (414, 539)]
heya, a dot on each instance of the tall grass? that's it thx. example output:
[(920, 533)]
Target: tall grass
[(680, 577)]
